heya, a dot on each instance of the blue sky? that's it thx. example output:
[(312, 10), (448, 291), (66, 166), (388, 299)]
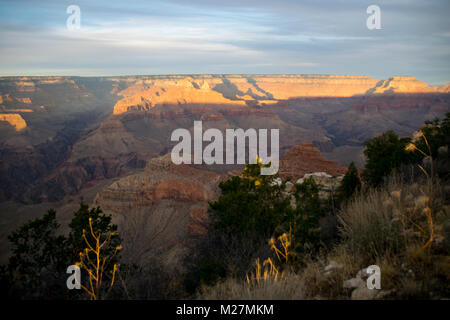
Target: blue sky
[(208, 36)]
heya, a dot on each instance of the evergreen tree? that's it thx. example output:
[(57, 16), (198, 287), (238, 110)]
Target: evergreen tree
[(384, 153), (101, 223), (304, 220), (350, 183), (250, 205), (37, 255), (40, 257)]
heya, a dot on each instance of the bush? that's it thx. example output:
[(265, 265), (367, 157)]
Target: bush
[(40, 257), (401, 228), (388, 220), (250, 205), (350, 184), (384, 153), (102, 225), (303, 221)]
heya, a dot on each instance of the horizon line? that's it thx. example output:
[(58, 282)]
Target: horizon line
[(435, 84)]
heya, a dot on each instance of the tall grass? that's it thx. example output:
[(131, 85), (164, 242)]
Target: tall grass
[(401, 228), (390, 220), (271, 279), (290, 287)]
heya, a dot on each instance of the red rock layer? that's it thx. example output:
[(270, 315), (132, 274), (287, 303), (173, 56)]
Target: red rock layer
[(306, 158)]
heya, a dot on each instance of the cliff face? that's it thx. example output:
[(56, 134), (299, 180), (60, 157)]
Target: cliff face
[(241, 90), (159, 92), (399, 84)]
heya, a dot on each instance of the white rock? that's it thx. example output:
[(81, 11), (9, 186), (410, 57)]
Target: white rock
[(276, 181), (362, 274), (333, 265), (314, 174)]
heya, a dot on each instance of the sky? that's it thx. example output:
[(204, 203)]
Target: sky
[(226, 37)]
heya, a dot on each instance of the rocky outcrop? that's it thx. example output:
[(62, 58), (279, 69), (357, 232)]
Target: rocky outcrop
[(163, 181), (306, 159), (15, 120), (170, 200), (327, 183), (160, 180)]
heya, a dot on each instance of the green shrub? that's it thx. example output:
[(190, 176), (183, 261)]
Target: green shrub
[(350, 184), (40, 257), (384, 153)]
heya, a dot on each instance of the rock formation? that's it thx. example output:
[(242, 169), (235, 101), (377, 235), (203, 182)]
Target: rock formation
[(14, 120), (306, 159), (241, 90), (166, 205), (160, 180), (185, 91)]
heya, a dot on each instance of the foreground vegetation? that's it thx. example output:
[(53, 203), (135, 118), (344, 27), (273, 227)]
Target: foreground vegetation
[(271, 239)]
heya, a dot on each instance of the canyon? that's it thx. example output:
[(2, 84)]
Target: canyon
[(106, 139)]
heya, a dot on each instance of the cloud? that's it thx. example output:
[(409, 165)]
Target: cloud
[(205, 36)]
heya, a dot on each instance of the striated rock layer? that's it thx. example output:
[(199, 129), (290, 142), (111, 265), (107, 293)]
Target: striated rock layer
[(256, 89), (161, 179), (164, 205)]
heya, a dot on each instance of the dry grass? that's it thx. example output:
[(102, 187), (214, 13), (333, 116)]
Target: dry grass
[(267, 281), (321, 285), (401, 229), (388, 221), (290, 287)]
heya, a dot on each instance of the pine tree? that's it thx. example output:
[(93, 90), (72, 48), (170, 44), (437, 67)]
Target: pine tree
[(350, 183)]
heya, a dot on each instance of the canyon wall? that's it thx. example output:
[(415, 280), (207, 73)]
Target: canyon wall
[(81, 130), (257, 89)]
